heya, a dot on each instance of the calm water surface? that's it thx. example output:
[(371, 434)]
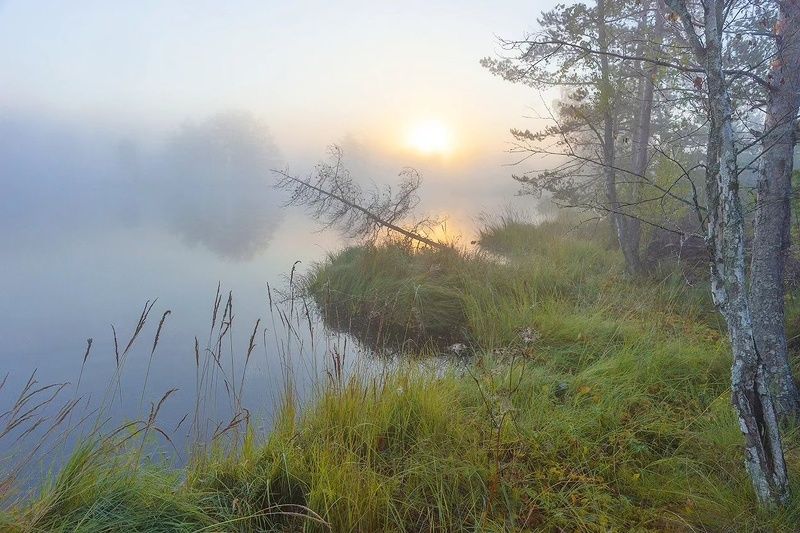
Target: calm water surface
[(60, 290), (94, 225)]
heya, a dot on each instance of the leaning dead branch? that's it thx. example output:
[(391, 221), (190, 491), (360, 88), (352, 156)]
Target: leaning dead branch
[(332, 196)]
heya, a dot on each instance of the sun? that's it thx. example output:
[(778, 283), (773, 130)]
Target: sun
[(430, 137)]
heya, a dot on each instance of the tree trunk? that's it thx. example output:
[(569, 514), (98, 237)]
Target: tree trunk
[(620, 222), (773, 214), (641, 134), (749, 393)]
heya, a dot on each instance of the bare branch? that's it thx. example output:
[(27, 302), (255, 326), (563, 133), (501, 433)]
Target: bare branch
[(333, 197)]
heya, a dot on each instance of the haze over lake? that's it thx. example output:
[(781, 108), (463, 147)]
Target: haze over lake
[(136, 144)]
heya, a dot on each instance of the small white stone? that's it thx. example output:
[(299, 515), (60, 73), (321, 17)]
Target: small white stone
[(457, 348)]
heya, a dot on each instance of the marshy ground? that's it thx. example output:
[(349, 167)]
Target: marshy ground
[(591, 402)]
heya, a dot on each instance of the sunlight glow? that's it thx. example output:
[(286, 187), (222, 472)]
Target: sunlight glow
[(430, 137)]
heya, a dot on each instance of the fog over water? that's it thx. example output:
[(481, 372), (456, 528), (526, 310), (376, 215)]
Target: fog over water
[(135, 153), (95, 223)]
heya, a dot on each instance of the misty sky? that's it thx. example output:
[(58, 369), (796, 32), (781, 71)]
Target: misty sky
[(316, 70), (94, 94)]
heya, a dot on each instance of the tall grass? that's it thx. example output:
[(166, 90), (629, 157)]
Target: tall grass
[(592, 402), (606, 397), (117, 476), (389, 298)]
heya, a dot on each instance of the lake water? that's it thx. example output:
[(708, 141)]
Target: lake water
[(94, 225), (60, 290)]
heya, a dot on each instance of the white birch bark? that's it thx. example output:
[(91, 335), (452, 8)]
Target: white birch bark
[(749, 393)]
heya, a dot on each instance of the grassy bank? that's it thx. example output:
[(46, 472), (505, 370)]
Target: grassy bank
[(594, 403)]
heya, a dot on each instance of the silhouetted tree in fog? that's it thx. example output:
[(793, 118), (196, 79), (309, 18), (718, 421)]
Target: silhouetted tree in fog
[(333, 197), (217, 189)]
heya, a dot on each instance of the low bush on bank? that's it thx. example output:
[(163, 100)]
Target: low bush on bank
[(393, 293)]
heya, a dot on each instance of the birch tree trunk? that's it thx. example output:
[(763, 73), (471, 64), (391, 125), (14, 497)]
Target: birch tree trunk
[(749, 392), (773, 214)]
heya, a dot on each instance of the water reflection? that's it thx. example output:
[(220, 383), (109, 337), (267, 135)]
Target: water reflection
[(157, 375), (214, 184), (95, 221), (209, 183)]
